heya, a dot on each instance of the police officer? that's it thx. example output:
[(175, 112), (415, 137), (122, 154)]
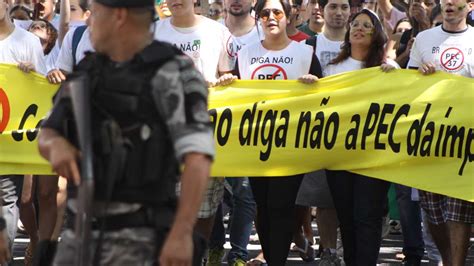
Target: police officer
[(149, 103)]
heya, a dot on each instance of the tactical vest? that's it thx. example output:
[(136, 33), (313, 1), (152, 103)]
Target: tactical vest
[(134, 159)]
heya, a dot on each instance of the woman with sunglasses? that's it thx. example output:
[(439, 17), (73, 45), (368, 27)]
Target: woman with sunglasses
[(360, 200), (276, 57)]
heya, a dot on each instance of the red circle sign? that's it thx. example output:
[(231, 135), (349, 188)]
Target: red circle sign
[(452, 58), (5, 110), (231, 48), (269, 72)]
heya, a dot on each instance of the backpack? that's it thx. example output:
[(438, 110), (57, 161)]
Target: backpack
[(76, 38), (313, 40)]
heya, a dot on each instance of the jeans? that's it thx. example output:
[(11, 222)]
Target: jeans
[(360, 202), (243, 208), (217, 238), (243, 214), (276, 211), (410, 219), (432, 251)]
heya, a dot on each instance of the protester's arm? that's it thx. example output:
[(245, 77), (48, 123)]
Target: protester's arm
[(228, 78), (35, 60), (64, 19), (56, 76), (64, 62), (26, 67), (386, 7), (422, 21)]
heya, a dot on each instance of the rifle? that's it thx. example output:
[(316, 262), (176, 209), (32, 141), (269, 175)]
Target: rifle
[(81, 103)]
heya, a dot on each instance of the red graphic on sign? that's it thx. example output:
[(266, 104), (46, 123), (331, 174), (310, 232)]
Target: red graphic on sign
[(269, 71), (5, 110), (452, 58)]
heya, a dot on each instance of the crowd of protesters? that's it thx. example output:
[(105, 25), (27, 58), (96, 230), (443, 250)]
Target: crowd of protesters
[(324, 38)]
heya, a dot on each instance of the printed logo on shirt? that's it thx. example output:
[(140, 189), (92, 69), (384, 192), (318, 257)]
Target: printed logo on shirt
[(273, 60), (190, 48), (452, 59), (232, 47), (326, 57), (269, 72)]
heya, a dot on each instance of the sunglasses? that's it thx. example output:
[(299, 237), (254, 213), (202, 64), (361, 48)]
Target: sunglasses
[(265, 14), (365, 25)]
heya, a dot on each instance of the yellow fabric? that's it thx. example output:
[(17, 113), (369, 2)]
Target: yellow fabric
[(293, 127)]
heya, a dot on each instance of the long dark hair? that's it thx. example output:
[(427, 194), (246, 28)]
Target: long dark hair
[(376, 54)]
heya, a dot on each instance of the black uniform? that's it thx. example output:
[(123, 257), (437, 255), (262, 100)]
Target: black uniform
[(147, 113)]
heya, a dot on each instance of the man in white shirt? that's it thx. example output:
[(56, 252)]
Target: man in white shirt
[(204, 41), (328, 45), (447, 48), (244, 32), (241, 25), (22, 48), (336, 15)]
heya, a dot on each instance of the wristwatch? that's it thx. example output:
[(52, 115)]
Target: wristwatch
[(3, 223)]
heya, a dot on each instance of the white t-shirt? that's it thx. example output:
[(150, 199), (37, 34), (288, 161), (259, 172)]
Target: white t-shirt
[(204, 43), (350, 64), (450, 52), (24, 24), (256, 62), (234, 44), (50, 59), (326, 50), (65, 61), (22, 46)]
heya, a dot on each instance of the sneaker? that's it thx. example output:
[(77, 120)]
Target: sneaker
[(395, 227), (238, 262), (306, 253), (329, 259), (215, 257), (20, 229)]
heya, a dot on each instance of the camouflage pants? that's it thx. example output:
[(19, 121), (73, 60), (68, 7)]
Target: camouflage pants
[(129, 246)]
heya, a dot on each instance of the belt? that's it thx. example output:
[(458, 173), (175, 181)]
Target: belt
[(144, 217)]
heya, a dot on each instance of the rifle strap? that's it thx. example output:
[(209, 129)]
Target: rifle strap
[(114, 168)]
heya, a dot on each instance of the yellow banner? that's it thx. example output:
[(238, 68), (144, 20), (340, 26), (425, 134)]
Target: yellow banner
[(399, 126)]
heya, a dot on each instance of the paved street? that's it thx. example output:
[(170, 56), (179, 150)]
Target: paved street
[(391, 246)]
